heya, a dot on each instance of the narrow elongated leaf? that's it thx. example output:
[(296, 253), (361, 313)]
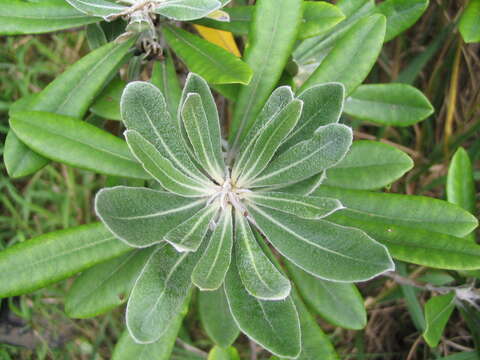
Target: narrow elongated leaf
[(240, 19), (322, 105), (259, 276), (22, 17), (321, 248), (460, 182), (205, 142), (212, 267), (327, 147), (108, 103), (363, 41), (339, 303), (318, 18), (221, 38), (141, 217), (101, 8), (216, 317), (189, 235), (369, 165), (271, 45), (96, 37), (105, 286), (437, 312), (269, 139), (272, 324), (52, 257), (70, 94), (159, 293), (164, 77), (307, 207), (388, 104), (416, 212), (410, 295), (186, 10), (210, 61), (470, 23), (18, 158), (77, 143), (144, 110), (162, 169)]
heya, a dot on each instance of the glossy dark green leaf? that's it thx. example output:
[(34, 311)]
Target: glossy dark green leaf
[(272, 324), (107, 104), (77, 143), (215, 64), (105, 286), (339, 303), (142, 217), (273, 33), (216, 317), (437, 312), (388, 104), (369, 165), (55, 256), (363, 42), (28, 17), (470, 23)]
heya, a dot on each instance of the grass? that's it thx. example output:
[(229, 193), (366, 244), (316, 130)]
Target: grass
[(430, 56)]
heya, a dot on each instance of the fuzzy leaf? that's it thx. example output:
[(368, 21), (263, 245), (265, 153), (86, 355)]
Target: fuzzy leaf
[(259, 276), (186, 10), (321, 248), (216, 317), (141, 217), (212, 267), (272, 324), (327, 147), (307, 207), (100, 8), (437, 312)]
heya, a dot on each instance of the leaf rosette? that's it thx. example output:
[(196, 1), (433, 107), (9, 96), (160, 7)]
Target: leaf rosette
[(217, 213)]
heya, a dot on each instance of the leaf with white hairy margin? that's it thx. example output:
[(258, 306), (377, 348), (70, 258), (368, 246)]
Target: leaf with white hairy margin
[(99, 8), (259, 276), (141, 217), (186, 10)]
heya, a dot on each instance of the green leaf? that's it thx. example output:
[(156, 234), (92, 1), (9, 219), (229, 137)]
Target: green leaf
[(321, 248), (189, 235), (55, 256), (142, 217), (19, 159), (257, 156), (411, 300), (96, 37), (144, 110), (215, 64), (362, 42), (107, 104), (212, 267), (77, 143), (105, 286), (186, 10), (218, 353), (71, 94), (259, 276), (388, 104), (216, 317), (460, 182), (369, 165), (272, 34), (469, 22), (272, 324), (164, 77), (437, 312), (127, 348), (162, 169), (318, 18), (341, 304), (159, 293), (204, 135), (416, 212), (401, 14), (22, 17), (327, 147), (322, 105), (239, 24), (101, 8), (311, 207)]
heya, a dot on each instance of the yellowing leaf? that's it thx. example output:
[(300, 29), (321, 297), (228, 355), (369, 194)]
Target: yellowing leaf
[(221, 38)]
